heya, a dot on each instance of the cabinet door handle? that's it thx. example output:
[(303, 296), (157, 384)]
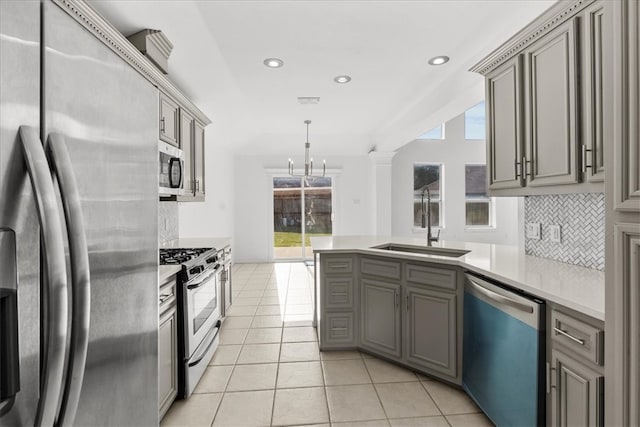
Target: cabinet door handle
[(162, 125), (407, 299), (526, 170), (585, 150), (568, 335), (164, 297)]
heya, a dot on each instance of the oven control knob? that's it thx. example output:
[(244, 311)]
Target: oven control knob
[(195, 270)]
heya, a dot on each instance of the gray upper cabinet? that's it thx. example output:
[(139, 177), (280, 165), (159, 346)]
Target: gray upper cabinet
[(431, 331), (192, 142), (544, 103), (504, 97), (592, 148), (186, 139), (552, 129), (198, 158), (380, 322), (168, 121)]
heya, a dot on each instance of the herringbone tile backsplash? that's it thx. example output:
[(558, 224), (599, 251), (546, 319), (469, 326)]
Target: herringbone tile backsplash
[(581, 217)]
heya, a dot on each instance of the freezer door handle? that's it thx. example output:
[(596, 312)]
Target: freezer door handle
[(54, 307), (80, 277)]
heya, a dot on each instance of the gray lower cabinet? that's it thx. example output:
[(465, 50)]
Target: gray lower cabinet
[(381, 320), (576, 371), (577, 394), (167, 360), (431, 330), (167, 346), (338, 326)]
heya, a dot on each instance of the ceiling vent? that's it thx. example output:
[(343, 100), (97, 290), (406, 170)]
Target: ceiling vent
[(308, 100), (155, 46)]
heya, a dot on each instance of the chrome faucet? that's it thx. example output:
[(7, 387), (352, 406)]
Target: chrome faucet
[(427, 218)]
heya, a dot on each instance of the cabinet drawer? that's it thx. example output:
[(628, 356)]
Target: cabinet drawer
[(432, 276), (167, 296), (338, 265), (339, 292), (584, 339), (378, 267), (339, 327)]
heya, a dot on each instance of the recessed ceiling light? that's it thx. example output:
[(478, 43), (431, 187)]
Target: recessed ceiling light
[(439, 60), (273, 62), (342, 79)]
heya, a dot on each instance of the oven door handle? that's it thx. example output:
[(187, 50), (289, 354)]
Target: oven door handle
[(204, 279), (200, 356)]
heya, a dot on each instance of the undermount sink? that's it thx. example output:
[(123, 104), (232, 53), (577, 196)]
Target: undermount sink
[(424, 250)]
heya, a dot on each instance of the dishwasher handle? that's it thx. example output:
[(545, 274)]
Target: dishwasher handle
[(501, 299)]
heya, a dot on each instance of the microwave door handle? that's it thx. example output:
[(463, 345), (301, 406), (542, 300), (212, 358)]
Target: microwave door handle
[(80, 277), (54, 310), (172, 163)]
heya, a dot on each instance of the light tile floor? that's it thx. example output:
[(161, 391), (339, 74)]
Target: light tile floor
[(268, 370)]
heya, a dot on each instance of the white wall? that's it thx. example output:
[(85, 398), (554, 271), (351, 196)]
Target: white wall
[(253, 217), (213, 217), (453, 152)]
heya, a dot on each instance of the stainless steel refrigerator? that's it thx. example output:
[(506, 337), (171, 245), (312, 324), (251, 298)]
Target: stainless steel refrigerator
[(78, 226)]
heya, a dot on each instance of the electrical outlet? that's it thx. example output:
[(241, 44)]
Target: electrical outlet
[(532, 230), (555, 233)]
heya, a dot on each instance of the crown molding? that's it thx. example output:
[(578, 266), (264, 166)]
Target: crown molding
[(90, 19), (553, 17)]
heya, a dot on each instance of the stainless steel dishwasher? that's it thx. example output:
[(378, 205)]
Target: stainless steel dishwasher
[(504, 352)]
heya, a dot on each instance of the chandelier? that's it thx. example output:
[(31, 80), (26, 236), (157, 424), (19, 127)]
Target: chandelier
[(308, 161)]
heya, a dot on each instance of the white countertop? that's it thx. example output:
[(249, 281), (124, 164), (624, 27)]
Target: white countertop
[(578, 288), (198, 242)]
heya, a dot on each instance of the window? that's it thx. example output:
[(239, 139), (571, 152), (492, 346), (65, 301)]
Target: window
[(474, 122), (477, 203), (435, 133), (427, 176)]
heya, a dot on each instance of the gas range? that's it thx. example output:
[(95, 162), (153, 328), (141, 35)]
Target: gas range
[(193, 260)]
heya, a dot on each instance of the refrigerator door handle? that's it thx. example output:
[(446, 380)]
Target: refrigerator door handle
[(81, 286), (55, 310)]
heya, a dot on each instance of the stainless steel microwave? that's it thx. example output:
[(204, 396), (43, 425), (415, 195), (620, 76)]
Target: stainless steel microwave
[(171, 170)]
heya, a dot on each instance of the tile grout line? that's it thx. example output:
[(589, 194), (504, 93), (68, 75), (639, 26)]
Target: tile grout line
[(375, 389)]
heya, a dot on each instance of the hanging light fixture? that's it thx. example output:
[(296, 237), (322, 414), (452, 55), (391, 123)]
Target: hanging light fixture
[(308, 161)]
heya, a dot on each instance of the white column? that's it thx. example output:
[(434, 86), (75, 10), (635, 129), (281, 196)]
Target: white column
[(381, 191)]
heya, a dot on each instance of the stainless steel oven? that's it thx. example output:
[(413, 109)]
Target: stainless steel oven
[(170, 169), (202, 323), (202, 301), (199, 311)]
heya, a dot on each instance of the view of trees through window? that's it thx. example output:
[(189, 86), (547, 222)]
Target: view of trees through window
[(427, 176), (300, 212), (477, 203)]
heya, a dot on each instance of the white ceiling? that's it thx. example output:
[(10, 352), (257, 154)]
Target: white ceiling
[(384, 46)]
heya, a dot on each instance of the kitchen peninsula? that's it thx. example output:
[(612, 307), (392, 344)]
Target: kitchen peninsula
[(471, 314), (578, 288)]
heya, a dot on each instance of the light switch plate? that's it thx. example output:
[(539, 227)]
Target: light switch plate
[(532, 230), (555, 233)]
